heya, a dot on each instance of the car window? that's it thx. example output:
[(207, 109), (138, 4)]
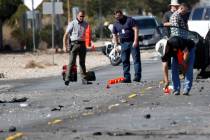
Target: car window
[(146, 23), (207, 14), (197, 14)]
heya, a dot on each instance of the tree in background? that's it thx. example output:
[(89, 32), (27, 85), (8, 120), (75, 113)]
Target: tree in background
[(7, 9)]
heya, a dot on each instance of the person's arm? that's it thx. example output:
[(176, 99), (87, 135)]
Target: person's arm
[(136, 36), (165, 74), (115, 39), (167, 24), (66, 36), (115, 36), (65, 41)]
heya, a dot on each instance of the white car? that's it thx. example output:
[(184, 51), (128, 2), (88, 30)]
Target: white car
[(199, 20)]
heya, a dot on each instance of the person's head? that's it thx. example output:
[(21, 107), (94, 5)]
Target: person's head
[(81, 16), (118, 15), (161, 47), (174, 5), (183, 8)]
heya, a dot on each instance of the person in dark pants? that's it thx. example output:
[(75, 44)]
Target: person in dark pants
[(169, 48), (76, 31), (126, 31)]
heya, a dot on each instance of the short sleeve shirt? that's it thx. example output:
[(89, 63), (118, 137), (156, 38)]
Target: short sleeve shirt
[(77, 30), (124, 28), (178, 21)]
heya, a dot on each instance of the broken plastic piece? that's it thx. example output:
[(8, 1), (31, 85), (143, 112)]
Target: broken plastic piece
[(16, 136)]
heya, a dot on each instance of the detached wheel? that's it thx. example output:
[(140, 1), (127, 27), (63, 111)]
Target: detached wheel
[(116, 59)]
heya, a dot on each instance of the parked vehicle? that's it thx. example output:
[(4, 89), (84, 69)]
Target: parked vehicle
[(148, 35), (199, 20)]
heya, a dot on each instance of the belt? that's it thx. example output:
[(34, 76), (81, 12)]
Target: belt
[(125, 40), (78, 42)]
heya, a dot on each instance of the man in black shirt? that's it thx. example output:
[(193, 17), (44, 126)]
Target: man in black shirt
[(183, 53)]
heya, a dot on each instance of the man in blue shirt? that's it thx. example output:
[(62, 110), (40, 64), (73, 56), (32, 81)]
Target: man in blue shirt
[(125, 32)]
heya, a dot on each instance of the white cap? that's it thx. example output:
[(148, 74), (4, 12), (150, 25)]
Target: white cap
[(160, 46), (174, 2)]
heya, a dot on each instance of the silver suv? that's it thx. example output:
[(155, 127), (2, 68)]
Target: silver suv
[(148, 35)]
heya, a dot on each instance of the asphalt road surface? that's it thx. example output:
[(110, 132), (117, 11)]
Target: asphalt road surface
[(92, 112)]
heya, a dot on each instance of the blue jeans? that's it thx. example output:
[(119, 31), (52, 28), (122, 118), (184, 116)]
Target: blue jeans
[(127, 49), (188, 75)]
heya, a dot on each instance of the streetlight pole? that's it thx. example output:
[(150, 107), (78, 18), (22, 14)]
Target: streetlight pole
[(33, 26)]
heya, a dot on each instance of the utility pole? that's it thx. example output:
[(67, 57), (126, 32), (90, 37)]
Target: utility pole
[(53, 27), (33, 26), (68, 8)]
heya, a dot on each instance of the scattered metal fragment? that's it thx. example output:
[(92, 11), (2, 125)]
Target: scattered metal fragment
[(123, 101), (147, 116), (55, 122), (173, 123), (120, 134), (74, 131), (12, 129), (97, 134), (15, 100), (148, 88), (132, 95), (57, 109), (86, 101), (87, 114), (23, 105), (112, 106), (89, 108)]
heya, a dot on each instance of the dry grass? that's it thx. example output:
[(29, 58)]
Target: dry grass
[(32, 64)]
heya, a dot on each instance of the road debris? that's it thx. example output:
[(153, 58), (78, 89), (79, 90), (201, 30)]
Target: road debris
[(123, 101), (15, 100), (57, 109), (23, 105), (87, 114), (14, 137), (97, 134), (132, 95), (148, 88), (114, 81), (55, 122), (112, 106), (147, 116), (12, 129), (89, 108)]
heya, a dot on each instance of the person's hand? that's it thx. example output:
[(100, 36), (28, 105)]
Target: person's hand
[(135, 44), (184, 67), (65, 48), (166, 84)]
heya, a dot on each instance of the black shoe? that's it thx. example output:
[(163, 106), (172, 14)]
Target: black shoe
[(86, 82), (126, 81), (137, 79), (66, 83)]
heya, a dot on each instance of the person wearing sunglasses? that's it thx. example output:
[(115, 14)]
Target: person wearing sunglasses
[(74, 42)]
